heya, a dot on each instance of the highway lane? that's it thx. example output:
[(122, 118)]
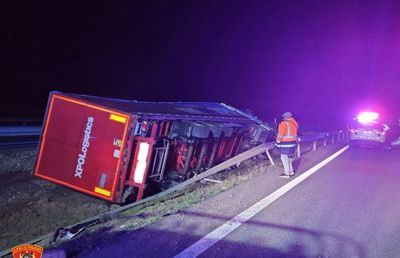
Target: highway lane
[(349, 208)]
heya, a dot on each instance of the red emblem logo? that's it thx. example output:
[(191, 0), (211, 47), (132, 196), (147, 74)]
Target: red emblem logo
[(27, 251)]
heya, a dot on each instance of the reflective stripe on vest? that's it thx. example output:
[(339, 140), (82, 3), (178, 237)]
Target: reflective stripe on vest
[(288, 129), (286, 145), (289, 137)]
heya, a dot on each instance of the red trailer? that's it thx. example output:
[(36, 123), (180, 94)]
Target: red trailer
[(120, 150)]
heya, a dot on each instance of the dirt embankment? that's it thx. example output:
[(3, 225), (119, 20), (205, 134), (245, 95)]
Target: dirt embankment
[(31, 207)]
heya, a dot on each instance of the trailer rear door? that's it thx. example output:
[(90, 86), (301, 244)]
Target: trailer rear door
[(82, 145)]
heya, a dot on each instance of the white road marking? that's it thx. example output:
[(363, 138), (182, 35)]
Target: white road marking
[(212, 238)]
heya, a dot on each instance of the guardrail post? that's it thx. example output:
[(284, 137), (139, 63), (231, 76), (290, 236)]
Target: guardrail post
[(314, 145), (325, 142), (270, 158), (333, 138), (343, 134), (298, 150)]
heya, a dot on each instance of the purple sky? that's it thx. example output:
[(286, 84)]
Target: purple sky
[(321, 60)]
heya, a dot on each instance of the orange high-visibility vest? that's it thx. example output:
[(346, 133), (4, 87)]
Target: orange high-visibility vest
[(287, 131)]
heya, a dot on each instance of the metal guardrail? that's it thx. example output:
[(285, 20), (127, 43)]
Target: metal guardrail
[(6, 145), (320, 137), (262, 148), (17, 136), (12, 131)]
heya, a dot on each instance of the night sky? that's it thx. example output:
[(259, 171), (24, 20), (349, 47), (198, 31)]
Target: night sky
[(321, 60)]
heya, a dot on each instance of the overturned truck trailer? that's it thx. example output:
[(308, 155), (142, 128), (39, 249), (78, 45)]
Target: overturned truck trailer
[(121, 150)]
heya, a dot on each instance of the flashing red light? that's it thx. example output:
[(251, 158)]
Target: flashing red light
[(367, 117)]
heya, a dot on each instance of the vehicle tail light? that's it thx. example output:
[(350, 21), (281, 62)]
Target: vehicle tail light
[(141, 163)]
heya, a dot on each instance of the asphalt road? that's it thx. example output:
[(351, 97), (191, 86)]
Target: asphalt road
[(348, 208)]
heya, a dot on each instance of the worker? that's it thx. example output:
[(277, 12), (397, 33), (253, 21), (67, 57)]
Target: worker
[(396, 142), (389, 136), (286, 141), (392, 132)]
